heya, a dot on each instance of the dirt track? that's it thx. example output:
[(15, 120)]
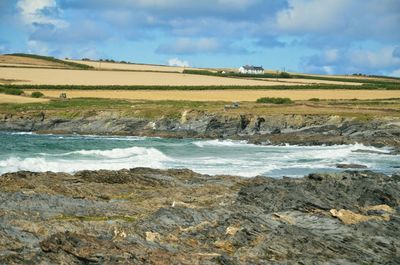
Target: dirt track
[(19, 99)]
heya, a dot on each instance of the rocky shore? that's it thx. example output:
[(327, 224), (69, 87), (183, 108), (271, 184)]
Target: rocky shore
[(148, 216), (264, 129)]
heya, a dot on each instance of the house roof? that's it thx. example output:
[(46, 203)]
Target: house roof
[(252, 67)]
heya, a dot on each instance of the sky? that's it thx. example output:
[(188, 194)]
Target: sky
[(311, 36)]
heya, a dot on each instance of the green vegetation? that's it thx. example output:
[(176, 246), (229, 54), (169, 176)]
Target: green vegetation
[(78, 104), (314, 99), (54, 60), (275, 100), (76, 108), (284, 75), (37, 94), (79, 107), (11, 90)]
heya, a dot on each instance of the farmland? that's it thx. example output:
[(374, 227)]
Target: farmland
[(129, 81), (223, 95)]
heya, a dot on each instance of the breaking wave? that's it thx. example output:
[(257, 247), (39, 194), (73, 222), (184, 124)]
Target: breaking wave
[(71, 153), (113, 159)]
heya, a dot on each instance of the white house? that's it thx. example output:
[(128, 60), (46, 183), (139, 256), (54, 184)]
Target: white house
[(250, 69)]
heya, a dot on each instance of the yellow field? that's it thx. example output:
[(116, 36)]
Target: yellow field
[(130, 67), (86, 77), (19, 99), (225, 95), (154, 75), (311, 81)]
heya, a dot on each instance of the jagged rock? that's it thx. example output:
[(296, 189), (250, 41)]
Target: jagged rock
[(149, 216), (275, 129), (350, 166)]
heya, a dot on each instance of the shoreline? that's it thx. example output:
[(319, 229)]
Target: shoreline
[(144, 215), (295, 129)]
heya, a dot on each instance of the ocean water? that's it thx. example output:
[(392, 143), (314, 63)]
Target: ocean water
[(70, 153)]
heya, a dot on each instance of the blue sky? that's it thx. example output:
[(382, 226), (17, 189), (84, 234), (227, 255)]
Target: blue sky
[(314, 36)]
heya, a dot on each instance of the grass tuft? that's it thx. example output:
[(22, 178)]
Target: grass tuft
[(275, 100), (37, 94)]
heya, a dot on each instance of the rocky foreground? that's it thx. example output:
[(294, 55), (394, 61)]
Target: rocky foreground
[(146, 216)]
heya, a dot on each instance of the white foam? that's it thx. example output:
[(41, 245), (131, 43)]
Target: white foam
[(109, 159), (228, 143), (21, 133), (115, 138), (213, 157), (123, 152)]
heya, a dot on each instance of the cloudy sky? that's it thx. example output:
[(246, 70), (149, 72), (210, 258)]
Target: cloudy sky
[(318, 36)]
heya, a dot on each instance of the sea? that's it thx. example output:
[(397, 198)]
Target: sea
[(71, 153)]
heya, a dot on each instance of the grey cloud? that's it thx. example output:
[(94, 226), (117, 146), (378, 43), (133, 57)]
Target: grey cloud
[(270, 42), (396, 52), (344, 61), (339, 22), (82, 32), (196, 46)]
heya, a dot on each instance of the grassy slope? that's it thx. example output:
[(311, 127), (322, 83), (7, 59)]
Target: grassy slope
[(54, 60)]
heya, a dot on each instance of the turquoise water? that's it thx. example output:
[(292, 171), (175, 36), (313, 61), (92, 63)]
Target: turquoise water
[(62, 153)]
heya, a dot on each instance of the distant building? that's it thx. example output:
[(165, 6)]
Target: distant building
[(250, 69)]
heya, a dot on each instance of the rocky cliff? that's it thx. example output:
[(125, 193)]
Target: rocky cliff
[(284, 128), (146, 216)]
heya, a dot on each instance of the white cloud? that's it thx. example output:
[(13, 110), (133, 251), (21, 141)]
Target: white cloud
[(177, 62), (332, 22), (311, 15), (395, 73), (332, 55), (32, 12), (190, 46), (381, 61), (37, 47), (185, 4), (375, 59), (328, 70), (237, 3)]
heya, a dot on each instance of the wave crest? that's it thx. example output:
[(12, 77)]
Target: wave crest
[(113, 159)]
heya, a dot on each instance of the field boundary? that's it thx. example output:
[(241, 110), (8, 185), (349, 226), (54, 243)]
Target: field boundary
[(145, 87), (384, 81)]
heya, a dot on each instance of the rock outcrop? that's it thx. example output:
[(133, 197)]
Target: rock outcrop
[(148, 216), (277, 129)]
